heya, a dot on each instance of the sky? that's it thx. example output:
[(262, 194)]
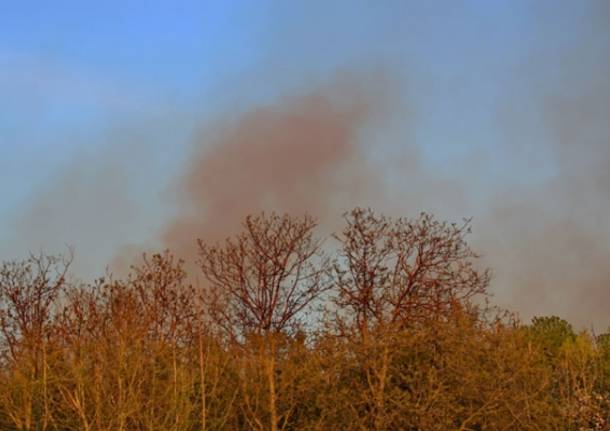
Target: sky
[(495, 110)]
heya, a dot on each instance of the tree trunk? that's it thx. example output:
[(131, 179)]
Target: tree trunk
[(203, 388), (270, 362), (175, 383), (380, 395), (45, 399)]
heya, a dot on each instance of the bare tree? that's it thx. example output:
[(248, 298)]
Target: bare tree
[(28, 292), (405, 270), (393, 274), (167, 298), (261, 281), (169, 303)]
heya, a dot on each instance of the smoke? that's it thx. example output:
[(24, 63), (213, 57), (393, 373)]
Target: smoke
[(131, 193), (298, 155), (548, 237), (86, 207), (102, 197), (541, 224)]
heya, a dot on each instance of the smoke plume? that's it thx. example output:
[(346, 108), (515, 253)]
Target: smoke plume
[(300, 155), (548, 238)]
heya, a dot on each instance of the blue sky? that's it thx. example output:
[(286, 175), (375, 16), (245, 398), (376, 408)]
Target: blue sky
[(486, 90), (71, 71)]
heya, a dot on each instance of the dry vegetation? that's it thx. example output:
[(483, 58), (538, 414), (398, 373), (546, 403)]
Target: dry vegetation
[(391, 331)]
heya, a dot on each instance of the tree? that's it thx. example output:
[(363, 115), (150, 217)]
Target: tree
[(174, 319), (585, 404), (261, 283), (28, 294), (394, 274), (550, 333), (403, 344), (404, 271)]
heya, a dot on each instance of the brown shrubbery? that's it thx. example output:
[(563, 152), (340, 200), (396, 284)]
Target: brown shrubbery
[(390, 332)]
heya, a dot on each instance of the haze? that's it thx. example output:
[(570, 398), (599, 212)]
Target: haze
[(132, 127)]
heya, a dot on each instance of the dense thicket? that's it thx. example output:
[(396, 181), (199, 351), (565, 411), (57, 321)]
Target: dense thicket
[(385, 326)]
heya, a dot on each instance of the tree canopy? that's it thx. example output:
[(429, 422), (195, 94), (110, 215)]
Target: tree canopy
[(385, 325)]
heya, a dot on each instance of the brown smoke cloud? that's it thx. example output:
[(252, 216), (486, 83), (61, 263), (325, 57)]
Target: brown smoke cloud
[(298, 155)]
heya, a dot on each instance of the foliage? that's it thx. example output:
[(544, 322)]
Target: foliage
[(405, 343)]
